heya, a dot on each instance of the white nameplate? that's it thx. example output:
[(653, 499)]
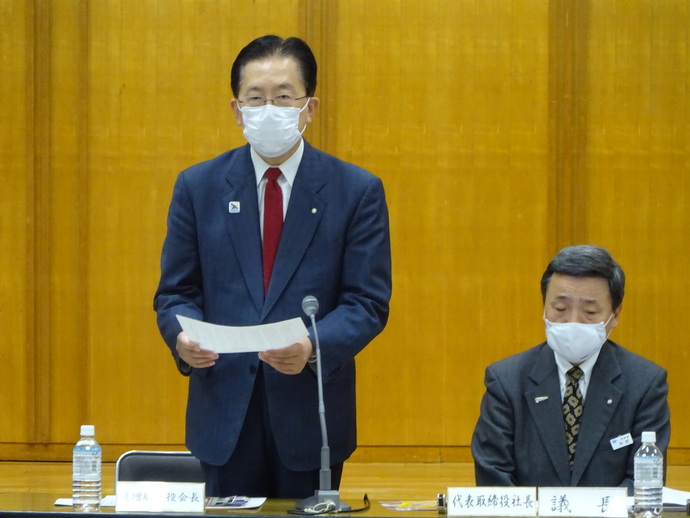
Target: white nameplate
[(583, 501), (160, 497), (492, 501), (621, 441)]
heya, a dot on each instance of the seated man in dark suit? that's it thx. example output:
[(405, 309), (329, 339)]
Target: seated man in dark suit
[(571, 411)]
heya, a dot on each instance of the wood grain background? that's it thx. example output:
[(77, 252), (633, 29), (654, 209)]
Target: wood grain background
[(503, 130)]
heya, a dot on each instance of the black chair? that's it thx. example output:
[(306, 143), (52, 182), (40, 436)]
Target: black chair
[(158, 466)]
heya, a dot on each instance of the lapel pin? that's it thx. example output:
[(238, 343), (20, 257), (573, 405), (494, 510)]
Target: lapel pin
[(609, 401), (539, 399), (313, 211), (234, 207)]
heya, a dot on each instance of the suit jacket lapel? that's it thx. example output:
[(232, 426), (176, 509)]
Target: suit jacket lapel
[(601, 402), (544, 402), (243, 226), (301, 220)]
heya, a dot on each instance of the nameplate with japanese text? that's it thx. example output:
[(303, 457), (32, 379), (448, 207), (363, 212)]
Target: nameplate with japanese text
[(585, 502), (160, 497), (492, 501)]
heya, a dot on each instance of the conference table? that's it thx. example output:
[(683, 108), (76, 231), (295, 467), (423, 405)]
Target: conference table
[(42, 505)]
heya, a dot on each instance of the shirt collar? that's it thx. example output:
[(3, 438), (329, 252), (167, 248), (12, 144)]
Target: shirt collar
[(288, 168), (564, 365)]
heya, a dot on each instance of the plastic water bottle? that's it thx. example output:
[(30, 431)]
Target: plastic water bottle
[(86, 472), (649, 477)]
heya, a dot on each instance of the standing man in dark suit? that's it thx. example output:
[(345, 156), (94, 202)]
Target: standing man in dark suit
[(253, 420), (570, 411)]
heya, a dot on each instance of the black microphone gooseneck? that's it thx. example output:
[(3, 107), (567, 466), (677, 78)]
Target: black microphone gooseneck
[(325, 499)]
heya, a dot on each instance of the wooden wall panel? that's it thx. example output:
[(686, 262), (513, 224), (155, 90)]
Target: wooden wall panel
[(568, 32), (447, 102), (638, 167), (16, 219), (68, 181), (503, 129)]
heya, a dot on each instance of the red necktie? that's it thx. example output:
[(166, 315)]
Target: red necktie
[(273, 221)]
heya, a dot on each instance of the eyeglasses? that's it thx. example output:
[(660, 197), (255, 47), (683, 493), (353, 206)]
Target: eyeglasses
[(284, 101)]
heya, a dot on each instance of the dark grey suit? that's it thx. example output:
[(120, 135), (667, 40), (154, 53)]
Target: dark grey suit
[(519, 439)]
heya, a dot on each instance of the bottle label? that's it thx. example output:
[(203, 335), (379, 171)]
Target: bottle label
[(86, 464)]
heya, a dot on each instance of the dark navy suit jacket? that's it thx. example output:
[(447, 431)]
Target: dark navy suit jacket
[(335, 245), (519, 439)]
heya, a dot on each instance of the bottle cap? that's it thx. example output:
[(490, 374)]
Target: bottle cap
[(648, 437), (87, 430)]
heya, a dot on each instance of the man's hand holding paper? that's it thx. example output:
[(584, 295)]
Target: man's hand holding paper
[(193, 354), (283, 345), (291, 359)]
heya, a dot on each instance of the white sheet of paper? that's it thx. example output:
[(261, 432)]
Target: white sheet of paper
[(675, 496), (106, 501), (243, 339)]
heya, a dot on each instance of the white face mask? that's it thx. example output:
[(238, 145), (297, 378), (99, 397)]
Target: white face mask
[(272, 130), (574, 341)]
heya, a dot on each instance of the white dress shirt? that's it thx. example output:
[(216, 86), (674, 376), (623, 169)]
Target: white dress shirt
[(285, 180), (564, 366)]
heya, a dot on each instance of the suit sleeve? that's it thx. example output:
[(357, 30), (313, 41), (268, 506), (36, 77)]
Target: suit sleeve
[(653, 415), (494, 436), (179, 290), (365, 289)]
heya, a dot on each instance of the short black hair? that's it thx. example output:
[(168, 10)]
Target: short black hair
[(587, 261), (269, 46)]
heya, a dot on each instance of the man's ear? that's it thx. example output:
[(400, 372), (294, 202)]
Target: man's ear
[(614, 318), (311, 108), (235, 105)]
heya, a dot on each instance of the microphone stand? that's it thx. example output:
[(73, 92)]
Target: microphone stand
[(325, 499)]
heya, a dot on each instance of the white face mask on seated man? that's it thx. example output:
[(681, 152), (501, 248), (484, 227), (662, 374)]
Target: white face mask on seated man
[(575, 341)]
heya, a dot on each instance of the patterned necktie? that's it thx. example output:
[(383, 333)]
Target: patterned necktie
[(572, 410), (273, 222)]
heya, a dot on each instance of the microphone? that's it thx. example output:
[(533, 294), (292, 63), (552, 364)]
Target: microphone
[(325, 499), (310, 305)]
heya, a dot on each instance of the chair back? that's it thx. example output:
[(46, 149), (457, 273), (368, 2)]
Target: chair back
[(158, 466)]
